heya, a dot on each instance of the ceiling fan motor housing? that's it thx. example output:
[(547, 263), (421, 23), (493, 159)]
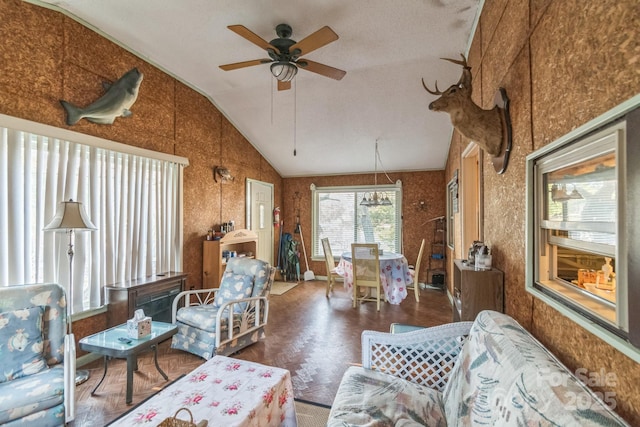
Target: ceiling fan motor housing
[(283, 43)]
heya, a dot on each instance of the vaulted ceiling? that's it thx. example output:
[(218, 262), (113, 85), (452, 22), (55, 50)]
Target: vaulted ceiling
[(386, 47)]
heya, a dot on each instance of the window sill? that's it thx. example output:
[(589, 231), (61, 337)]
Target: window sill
[(88, 313), (618, 343)]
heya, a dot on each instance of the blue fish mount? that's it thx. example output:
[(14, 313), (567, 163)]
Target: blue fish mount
[(117, 100)]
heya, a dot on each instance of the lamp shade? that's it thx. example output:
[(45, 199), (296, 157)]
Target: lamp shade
[(284, 71), (70, 216)]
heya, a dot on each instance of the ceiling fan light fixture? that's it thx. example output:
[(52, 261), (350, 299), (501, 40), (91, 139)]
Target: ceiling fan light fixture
[(284, 71)]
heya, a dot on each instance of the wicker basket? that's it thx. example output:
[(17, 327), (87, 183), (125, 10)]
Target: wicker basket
[(176, 422)]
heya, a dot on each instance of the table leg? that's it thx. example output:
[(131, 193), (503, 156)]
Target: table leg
[(132, 363), (104, 374), (155, 360)]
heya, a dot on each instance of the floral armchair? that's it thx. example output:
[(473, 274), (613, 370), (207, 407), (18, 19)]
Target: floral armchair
[(203, 316), (32, 332)]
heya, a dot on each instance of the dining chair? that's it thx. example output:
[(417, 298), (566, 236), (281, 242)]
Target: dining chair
[(332, 275), (415, 273), (366, 272)]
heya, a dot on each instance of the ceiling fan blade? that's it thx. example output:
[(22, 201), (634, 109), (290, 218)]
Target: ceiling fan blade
[(322, 37), (284, 85), (235, 66), (325, 70), (243, 31)]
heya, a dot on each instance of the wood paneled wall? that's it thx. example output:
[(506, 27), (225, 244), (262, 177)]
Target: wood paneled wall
[(428, 187), (563, 63), (46, 57)]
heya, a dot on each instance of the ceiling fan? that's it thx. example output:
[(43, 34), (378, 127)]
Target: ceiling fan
[(285, 53)]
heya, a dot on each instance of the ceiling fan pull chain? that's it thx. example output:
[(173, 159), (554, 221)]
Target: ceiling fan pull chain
[(295, 114)]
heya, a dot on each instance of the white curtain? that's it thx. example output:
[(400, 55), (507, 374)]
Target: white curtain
[(133, 200)]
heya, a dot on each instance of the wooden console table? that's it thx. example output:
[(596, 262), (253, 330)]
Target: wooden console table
[(154, 294), (476, 290)]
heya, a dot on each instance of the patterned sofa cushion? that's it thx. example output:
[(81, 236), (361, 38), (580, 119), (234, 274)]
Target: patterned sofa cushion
[(32, 396), (21, 343), (204, 317), (372, 398), (37, 399), (505, 377), (234, 286), (251, 267)]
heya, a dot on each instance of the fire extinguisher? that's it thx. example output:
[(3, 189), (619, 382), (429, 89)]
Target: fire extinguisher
[(276, 217)]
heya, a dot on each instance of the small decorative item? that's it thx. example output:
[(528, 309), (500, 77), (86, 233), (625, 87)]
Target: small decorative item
[(490, 129), (139, 326), (177, 422), (223, 173), (116, 102)]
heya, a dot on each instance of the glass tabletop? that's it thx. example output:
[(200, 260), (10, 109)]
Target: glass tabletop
[(116, 338)]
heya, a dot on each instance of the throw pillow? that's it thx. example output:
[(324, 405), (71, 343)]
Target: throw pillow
[(233, 287), (21, 343)]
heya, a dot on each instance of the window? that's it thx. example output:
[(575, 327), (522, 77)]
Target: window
[(580, 218), (339, 215), (132, 195)]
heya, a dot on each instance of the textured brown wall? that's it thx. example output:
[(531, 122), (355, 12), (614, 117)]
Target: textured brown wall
[(46, 57), (416, 187), (563, 62)]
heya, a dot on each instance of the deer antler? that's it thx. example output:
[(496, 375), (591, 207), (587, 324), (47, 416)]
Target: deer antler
[(465, 78), (437, 91), (456, 61)]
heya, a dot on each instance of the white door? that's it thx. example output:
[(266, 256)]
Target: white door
[(260, 216)]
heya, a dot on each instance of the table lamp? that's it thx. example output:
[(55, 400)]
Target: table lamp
[(69, 218)]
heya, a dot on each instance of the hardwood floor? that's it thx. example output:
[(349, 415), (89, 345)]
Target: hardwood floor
[(315, 338)]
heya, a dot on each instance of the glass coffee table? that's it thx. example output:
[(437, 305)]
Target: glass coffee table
[(115, 343)]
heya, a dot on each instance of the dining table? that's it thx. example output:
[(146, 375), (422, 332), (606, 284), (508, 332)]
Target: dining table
[(394, 275)]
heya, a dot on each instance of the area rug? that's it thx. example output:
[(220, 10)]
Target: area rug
[(311, 414), (279, 288)]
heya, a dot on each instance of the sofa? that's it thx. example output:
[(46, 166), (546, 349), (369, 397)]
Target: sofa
[(32, 331), (490, 372)]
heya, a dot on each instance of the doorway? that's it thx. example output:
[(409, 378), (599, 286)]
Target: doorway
[(471, 196), (260, 216)]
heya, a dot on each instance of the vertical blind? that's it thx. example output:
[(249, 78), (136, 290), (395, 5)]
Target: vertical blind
[(133, 200)]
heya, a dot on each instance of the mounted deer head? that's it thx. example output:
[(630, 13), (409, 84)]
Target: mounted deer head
[(484, 127)]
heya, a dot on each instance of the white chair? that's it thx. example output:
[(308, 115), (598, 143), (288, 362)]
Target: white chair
[(332, 275), (365, 259), (203, 316), (415, 273)]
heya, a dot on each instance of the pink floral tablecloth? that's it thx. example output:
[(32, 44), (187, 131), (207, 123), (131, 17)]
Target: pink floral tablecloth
[(225, 392), (394, 275)]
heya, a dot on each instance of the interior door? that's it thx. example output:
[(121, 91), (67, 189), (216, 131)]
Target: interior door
[(471, 195), (260, 216)]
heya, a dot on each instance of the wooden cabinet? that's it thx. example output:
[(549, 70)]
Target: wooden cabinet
[(242, 242), (476, 290), (154, 294)]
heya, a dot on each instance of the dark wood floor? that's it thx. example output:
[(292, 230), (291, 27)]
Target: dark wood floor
[(315, 338)]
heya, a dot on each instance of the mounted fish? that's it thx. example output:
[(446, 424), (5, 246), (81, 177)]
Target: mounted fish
[(116, 102)]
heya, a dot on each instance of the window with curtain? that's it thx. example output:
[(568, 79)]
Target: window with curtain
[(339, 215), (133, 198)]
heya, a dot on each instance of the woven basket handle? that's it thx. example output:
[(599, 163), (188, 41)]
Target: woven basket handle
[(175, 416)]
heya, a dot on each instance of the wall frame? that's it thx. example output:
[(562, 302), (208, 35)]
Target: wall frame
[(452, 209), (583, 206)]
